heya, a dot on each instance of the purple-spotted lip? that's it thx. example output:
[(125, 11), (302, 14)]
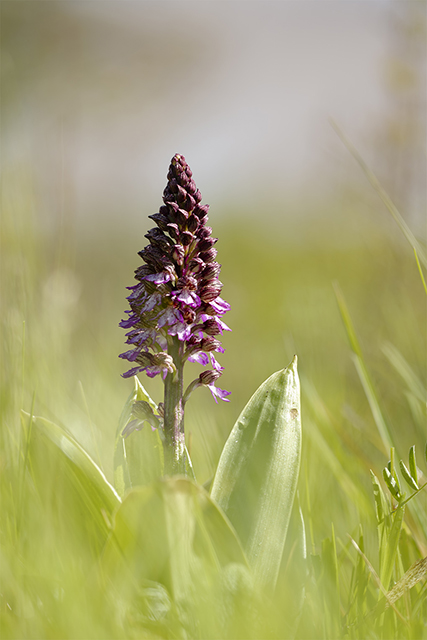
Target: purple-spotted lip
[(159, 278), (220, 306), (218, 393), (186, 297)]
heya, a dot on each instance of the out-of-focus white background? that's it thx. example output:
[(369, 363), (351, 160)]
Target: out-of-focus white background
[(98, 96)]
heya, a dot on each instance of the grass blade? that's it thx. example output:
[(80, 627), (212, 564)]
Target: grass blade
[(391, 547), (419, 251), (420, 271), (362, 371), (413, 382)]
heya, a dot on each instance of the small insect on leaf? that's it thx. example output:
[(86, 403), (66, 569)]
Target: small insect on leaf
[(407, 476), (413, 464)]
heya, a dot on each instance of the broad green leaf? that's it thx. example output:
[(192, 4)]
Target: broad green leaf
[(67, 476), (257, 474), (138, 458), (170, 532)]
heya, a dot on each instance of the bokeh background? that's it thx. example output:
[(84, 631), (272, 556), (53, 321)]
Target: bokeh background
[(96, 97)]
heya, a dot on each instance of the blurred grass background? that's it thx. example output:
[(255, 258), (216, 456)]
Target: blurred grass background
[(65, 269), (70, 233)]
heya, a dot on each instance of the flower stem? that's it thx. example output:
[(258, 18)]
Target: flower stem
[(174, 443)]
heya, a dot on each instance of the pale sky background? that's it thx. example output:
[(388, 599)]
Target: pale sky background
[(106, 92)]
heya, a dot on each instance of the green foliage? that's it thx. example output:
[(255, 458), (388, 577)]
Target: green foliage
[(257, 473), (138, 459), (95, 498), (169, 532), (172, 536), (75, 560)]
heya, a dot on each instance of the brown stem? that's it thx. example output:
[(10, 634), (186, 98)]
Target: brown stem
[(174, 443)]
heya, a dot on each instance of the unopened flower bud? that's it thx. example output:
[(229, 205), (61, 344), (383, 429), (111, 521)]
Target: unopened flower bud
[(209, 377)]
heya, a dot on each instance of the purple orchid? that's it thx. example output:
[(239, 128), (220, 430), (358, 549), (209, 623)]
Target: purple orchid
[(175, 307)]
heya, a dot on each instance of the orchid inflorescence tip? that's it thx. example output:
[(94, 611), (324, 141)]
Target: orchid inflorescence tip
[(177, 294)]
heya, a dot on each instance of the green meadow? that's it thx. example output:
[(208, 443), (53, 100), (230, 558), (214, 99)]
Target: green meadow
[(342, 290)]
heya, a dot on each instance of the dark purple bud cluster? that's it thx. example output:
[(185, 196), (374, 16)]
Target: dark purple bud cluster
[(177, 295)]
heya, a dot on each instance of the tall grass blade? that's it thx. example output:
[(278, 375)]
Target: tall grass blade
[(391, 547), (330, 586), (362, 371), (383, 518), (383, 195), (413, 382), (420, 271)]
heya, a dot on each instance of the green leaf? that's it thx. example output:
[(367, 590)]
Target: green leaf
[(54, 455), (407, 476), (170, 532), (413, 464), (391, 483), (257, 474), (138, 458)]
